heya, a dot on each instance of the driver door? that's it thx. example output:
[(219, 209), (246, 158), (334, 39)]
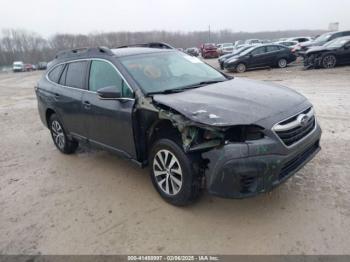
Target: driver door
[(344, 54), (258, 57), (109, 121)]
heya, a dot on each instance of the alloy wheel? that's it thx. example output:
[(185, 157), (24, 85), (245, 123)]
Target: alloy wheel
[(282, 63), (329, 61), (58, 134), (241, 68), (167, 171)]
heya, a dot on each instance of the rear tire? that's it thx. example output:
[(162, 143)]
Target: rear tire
[(172, 173), (329, 61), (282, 63), (59, 136)]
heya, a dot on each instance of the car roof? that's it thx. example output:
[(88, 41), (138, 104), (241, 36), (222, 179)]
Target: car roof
[(121, 52)]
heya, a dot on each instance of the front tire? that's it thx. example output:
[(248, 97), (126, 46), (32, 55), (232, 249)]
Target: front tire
[(329, 61), (241, 68), (59, 136), (173, 174)]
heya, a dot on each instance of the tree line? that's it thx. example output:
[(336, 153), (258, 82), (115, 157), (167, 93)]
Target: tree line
[(30, 47)]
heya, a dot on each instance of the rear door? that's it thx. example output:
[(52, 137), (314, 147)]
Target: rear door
[(109, 120), (68, 94), (273, 53)]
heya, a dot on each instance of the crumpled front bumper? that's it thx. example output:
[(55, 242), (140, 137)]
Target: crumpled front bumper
[(239, 170), (312, 61)]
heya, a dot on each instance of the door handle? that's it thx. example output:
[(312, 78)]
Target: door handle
[(57, 96), (87, 105)]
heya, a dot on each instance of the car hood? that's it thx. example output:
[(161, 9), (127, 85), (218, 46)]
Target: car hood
[(320, 49), (235, 102)]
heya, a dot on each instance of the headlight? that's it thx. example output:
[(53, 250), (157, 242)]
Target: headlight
[(244, 133), (232, 60)]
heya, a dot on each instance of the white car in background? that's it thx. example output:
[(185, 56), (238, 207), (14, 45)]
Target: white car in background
[(18, 66), (225, 48)]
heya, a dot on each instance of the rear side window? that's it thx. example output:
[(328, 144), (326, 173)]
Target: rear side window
[(103, 74), (55, 73), (346, 33), (75, 74)]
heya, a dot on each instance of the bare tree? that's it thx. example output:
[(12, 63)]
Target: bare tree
[(32, 48)]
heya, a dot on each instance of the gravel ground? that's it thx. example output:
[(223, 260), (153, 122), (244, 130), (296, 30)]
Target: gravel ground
[(93, 202)]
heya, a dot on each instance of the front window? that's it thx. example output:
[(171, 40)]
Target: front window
[(323, 38), (156, 73), (103, 74), (258, 51)]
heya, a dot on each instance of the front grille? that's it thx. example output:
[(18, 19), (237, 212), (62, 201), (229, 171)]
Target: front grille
[(291, 131), (291, 165)]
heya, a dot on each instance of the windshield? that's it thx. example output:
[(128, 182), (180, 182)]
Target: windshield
[(240, 50), (337, 42), (323, 38), (156, 73), (247, 51)]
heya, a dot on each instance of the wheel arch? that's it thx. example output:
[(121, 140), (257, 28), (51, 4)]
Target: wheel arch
[(49, 112), (162, 128)]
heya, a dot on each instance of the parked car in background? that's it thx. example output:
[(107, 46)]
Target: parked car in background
[(253, 41), (289, 44), (18, 66), (192, 125), (193, 51), (319, 41), (331, 54), (209, 50), (235, 52), (239, 43), (28, 67), (225, 48), (267, 55), (300, 39), (42, 65)]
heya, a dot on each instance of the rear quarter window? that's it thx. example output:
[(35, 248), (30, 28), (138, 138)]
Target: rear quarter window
[(54, 74)]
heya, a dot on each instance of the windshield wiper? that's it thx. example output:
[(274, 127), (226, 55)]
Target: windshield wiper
[(202, 84), (181, 89)]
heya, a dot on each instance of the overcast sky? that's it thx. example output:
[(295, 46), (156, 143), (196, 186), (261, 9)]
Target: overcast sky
[(83, 16)]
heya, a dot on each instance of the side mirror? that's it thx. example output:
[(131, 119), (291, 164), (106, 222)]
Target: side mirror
[(109, 92)]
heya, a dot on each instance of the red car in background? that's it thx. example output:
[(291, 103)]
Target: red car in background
[(209, 50), (29, 67)]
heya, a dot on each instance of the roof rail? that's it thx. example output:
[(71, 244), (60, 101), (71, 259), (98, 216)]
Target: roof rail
[(84, 50), (159, 45)]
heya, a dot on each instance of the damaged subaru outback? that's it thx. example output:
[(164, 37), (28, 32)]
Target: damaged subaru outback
[(194, 126)]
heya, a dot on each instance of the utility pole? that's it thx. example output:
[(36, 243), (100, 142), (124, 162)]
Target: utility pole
[(209, 35)]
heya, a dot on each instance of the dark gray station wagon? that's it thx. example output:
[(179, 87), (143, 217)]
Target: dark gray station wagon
[(193, 125)]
